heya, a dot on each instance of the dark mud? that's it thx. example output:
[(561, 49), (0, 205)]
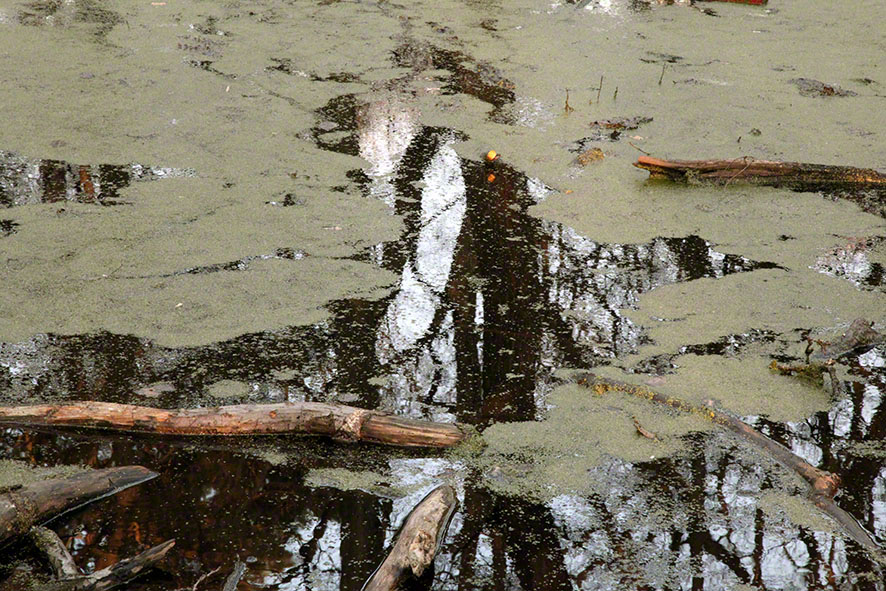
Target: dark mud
[(345, 240)]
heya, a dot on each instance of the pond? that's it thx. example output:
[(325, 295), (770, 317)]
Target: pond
[(223, 202)]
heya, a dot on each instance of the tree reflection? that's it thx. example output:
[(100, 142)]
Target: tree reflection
[(489, 302)]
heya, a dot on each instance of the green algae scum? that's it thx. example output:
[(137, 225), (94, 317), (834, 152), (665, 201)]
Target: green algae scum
[(230, 202)]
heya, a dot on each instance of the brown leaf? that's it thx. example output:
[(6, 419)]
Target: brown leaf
[(642, 431)]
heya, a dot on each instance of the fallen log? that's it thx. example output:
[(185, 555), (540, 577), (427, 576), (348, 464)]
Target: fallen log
[(23, 506), (337, 421), (417, 542), (115, 575), (823, 485), (762, 172)]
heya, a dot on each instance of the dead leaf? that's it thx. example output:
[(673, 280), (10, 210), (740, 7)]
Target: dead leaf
[(642, 431), (588, 156)]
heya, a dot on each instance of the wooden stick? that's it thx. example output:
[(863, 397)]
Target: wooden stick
[(116, 574), (234, 578), (417, 543), (60, 560), (761, 172), (21, 507), (333, 420), (823, 485)]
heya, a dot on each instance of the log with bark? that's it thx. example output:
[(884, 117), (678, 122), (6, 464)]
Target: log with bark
[(763, 172), (417, 543), (823, 485), (312, 418), (23, 506)]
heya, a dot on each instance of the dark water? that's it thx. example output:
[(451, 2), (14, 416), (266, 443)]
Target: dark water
[(489, 302)]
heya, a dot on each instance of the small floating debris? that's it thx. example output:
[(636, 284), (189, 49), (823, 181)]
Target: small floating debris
[(588, 156), (611, 129), (642, 431), (810, 87), (288, 200), (621, 123), (156, 390)]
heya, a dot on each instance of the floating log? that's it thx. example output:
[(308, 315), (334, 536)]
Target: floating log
[(762, 172), (823, 485), (114, 575), (23, 506), (417, 542), (313, 418)]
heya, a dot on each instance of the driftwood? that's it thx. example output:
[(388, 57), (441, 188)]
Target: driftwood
[(114, 575), (823, 485), (23, 506), (314, 418), (762, 172), (417, 543)]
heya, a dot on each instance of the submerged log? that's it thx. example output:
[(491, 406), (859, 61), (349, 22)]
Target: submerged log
[(762, 172), (313, 418), (234, 578), (21, 507), (116, 574), (823, 485), (859, 335), (417, 542)]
